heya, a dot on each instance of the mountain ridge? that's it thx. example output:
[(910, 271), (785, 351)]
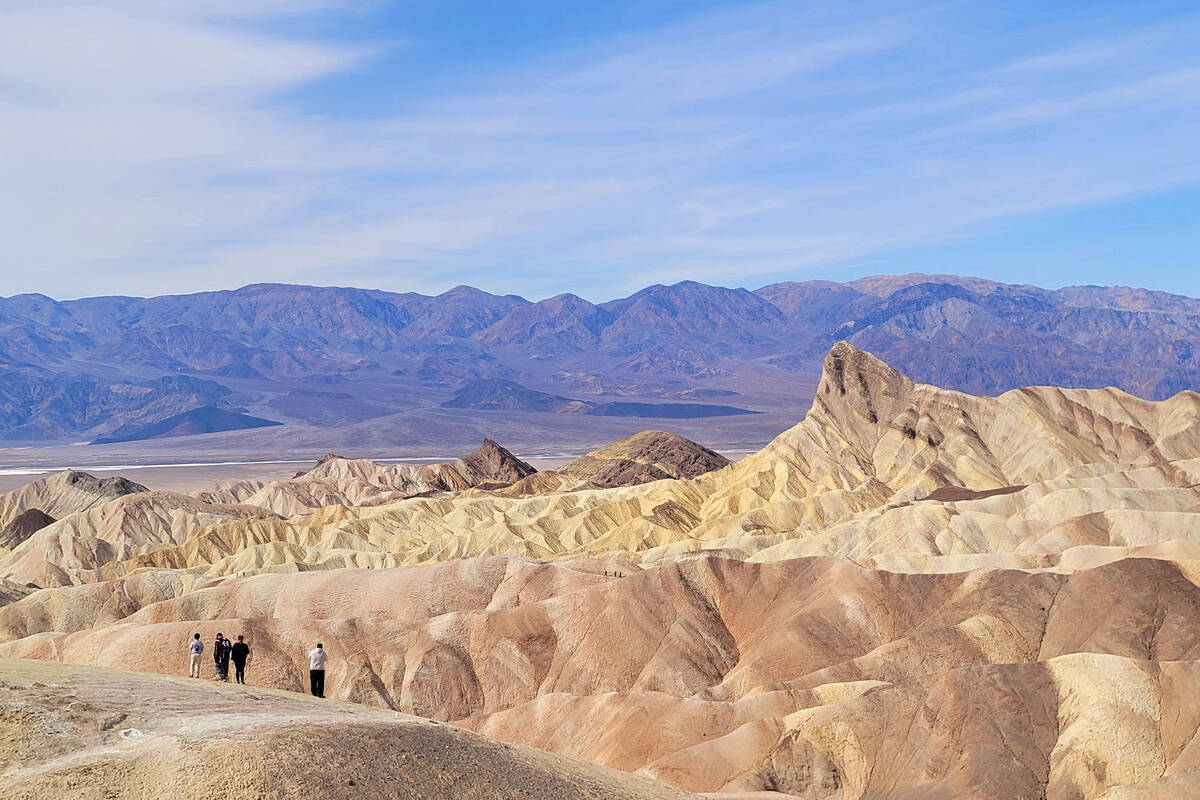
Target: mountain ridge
[(240, 350)]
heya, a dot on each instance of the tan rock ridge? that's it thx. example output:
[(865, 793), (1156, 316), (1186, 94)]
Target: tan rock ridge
[(1101, 469), (77, 547), (64, 493), (362, 482)]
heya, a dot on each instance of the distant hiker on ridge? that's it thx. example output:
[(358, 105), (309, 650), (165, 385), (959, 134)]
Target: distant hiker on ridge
[(239, 654), (316, 670), (195, 648)]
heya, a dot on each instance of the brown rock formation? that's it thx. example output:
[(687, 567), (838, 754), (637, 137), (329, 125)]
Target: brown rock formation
[(342, 481), (64, 493), (22, 526), (644, 457)]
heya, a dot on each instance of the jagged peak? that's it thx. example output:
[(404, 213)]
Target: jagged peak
[(491, 444), (492, 447), (850, 371), (497, 462)]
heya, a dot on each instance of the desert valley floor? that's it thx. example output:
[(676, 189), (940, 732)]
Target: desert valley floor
[(912, 593)]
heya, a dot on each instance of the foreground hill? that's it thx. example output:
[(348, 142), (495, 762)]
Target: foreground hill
[(264, 352), (78, 732)]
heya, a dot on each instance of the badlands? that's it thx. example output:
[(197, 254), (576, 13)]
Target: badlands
[(913, 593)]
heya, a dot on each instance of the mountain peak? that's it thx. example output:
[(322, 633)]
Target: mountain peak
[(647, 456), (472, 292), (115, 486), (493, 462), (850, 371)]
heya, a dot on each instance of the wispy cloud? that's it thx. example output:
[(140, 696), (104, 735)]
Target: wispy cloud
[(147, 149)]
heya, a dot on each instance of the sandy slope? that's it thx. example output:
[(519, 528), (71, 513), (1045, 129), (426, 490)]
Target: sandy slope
[(78, 732)]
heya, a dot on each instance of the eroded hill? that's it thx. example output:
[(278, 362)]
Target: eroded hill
[(1049, 474), (913, 592)]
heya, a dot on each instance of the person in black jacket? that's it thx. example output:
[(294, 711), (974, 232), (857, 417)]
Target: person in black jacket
[(221, 650), (217, 655), (226, 649), (240, 653)]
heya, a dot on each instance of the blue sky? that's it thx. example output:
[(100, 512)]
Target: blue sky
[(150, 146)]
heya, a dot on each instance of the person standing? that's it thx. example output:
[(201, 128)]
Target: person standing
[(217, 655), (240, 653), (195, 649), (316, 670), (226, 650)]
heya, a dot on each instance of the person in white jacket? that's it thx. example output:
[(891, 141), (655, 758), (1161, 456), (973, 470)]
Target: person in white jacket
[(196, 649), (316, 670)]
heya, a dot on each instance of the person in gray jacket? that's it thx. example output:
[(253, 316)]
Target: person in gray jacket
[(195, 649)]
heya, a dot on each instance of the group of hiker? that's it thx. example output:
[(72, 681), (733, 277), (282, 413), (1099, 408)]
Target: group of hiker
[(225, 651)]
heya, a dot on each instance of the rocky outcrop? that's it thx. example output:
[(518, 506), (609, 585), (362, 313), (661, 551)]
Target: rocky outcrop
[(22, 526), (644, 457), (64, 493), (337, 481), (491, 463)]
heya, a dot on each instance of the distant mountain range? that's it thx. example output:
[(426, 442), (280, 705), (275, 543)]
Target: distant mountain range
[(122, 367)]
